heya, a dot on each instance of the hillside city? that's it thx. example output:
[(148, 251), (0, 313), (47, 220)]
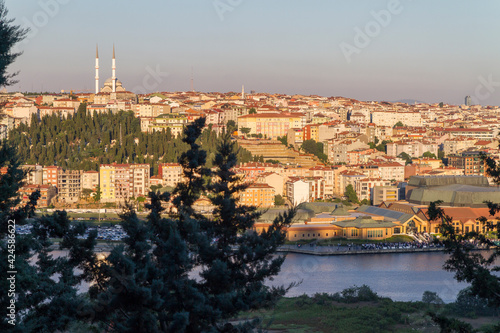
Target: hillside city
[(381, 162)]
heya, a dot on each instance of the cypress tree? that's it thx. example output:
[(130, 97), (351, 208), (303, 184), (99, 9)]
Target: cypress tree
[(150, 284)]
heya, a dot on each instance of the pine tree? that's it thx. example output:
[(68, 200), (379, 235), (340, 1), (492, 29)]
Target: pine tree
[(479, 269), (46, 288), (9, 35), (149, 285)]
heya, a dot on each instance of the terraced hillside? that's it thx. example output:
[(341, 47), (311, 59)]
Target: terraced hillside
[(272, 150)]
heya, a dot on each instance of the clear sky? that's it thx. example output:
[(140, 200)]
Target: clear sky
[(423, 50)]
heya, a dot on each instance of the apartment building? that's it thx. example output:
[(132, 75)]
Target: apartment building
[(50, 175), (173, 121), (364, 187), (90, 179), (468, 161), (34, 174), (305, 189), (385, 194), (69, 186), (47, 193), (170, 173), (271, 125), (259, 195), (391, 118), (120, 182)]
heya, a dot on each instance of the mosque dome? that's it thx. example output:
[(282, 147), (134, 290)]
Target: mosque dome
[(108, 86)]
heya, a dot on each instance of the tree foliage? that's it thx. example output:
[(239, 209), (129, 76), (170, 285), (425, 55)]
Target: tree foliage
[(428, 154), (351, 195), (406, 157), (283, 139), (278, 200), (9, 35), (479, 269), (382, 146), (315, 148), (85, 141), (45, 287), (188, 272)]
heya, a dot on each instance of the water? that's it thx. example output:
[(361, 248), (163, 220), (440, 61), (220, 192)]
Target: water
[(400, 276)]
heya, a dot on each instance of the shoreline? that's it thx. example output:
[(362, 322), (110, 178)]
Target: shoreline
[(320, 251)]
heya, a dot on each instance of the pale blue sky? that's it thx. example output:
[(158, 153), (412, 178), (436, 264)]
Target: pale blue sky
[(429, 50)]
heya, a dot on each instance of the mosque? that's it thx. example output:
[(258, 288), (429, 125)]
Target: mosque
[(111, 85), (113, 89)]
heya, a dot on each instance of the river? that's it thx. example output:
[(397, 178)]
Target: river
[(400, 276)]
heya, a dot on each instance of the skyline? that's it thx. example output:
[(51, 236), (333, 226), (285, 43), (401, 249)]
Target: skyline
[(419, 51)]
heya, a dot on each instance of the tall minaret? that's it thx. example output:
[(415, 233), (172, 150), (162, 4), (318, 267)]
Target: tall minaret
[(113, 76), (243, 91), (96, 70)]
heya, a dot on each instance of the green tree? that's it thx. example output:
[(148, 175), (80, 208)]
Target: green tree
[(398, 124), (245, 130), (46, 287), (283, 139), (10, 35), (315, 148), (252, 111), (158, 289), (278, 200), (430, 297), (351, 194), (231, 126), (86, 192), (98, 194), (441, 104), (477, 269), (440, 154), (428, 154), (405, 157), (382, 146)]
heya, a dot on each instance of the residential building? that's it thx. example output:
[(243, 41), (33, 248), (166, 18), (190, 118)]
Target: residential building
[(385, 194), (47, 193), (120, 182), (69, 186), (258, 194), (364, 187), (50, 175), (34, 175), (171, 173), (469, 161), (271, 125), (90, 180)]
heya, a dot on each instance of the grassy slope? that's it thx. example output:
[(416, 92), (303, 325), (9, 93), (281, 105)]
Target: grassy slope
[(309, 314)]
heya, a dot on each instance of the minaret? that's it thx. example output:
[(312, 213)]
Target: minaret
[(96, 70), (243, 91), (113, 76)]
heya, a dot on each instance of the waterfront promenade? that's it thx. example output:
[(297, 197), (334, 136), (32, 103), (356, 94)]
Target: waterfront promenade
[(353, 250)]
